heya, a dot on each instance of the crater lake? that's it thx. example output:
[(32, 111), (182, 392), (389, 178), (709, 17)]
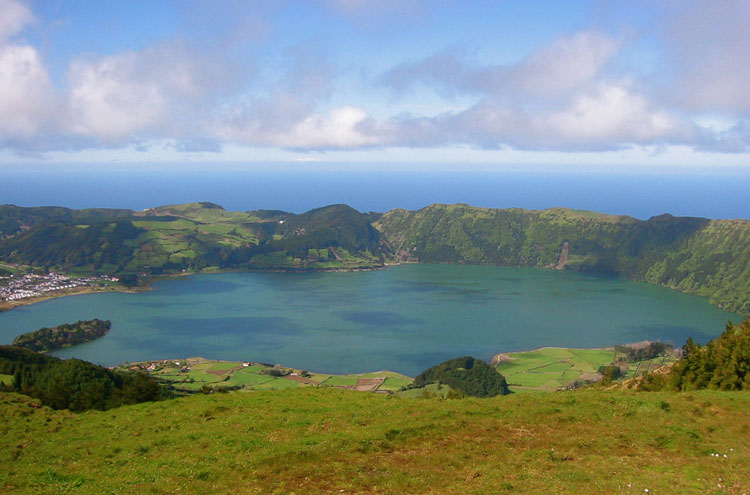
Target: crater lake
[(403, 318)]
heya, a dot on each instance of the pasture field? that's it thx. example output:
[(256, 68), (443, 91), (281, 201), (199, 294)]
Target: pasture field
[(327, 440), (551, 368), (192, 375)]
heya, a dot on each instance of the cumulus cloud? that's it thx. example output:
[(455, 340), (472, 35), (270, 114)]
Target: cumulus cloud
[(111, 100), (15, 17), (164, 91), (709, 46), (25, 91), (289, 115), (557, 68), (558, 97), (563, 65)]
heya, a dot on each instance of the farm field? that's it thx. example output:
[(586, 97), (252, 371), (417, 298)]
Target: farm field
[(198, 374), (328, 440), (552, 368)]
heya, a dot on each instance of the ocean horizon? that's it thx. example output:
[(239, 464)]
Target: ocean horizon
[(638, 195)]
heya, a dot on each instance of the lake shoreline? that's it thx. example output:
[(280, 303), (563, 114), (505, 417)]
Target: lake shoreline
[(402, 320), (78, 291)]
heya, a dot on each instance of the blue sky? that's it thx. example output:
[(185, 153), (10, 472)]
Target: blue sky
[(608, 85)]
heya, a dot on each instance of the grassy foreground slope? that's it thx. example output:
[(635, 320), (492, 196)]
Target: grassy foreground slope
[(710, 258), (336, 441)]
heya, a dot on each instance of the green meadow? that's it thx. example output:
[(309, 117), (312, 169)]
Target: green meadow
[(329, 440)]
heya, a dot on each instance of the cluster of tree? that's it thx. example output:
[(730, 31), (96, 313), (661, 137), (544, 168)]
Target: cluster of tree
[(74, 384), (610, 373), (467, 375), (649, 351), (722, 364), (65, 335)]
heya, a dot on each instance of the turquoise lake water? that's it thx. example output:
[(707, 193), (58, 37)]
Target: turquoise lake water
[(405, 318)]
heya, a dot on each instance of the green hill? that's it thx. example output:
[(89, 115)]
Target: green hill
[(193, 236), (467, 375), (337, 441)]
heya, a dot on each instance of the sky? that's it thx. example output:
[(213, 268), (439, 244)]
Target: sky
[(610, 85)]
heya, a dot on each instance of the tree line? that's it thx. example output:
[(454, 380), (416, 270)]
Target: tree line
[(75, 384)]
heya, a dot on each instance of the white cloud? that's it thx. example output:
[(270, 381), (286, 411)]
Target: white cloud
[(558, 97), (163, 91), (611, 114), (15, 16), (563, 65), (26, 93), (111, 99), (710, 46), (336, 130), (566, 64)]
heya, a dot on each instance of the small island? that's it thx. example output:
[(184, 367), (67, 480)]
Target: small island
[(65, 335)]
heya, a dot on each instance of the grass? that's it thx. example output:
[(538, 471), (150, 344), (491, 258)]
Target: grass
[(325, 440), (223, 366), (276, 384)]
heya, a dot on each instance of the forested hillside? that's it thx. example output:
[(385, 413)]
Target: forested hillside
[(72, 383), (710, 258)]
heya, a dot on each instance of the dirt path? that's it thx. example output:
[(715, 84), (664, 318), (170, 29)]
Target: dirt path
[(367, 384)]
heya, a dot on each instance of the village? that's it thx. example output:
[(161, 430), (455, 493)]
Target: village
[(14, 288)]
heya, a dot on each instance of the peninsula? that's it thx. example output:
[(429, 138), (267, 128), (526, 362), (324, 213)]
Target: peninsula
[(65, 335)]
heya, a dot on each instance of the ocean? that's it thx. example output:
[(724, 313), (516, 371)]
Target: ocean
[(637, 195)]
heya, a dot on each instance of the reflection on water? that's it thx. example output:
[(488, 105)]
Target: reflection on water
[(404, 318)]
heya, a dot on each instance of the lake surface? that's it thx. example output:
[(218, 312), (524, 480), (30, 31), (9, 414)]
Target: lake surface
[(404, 318)]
